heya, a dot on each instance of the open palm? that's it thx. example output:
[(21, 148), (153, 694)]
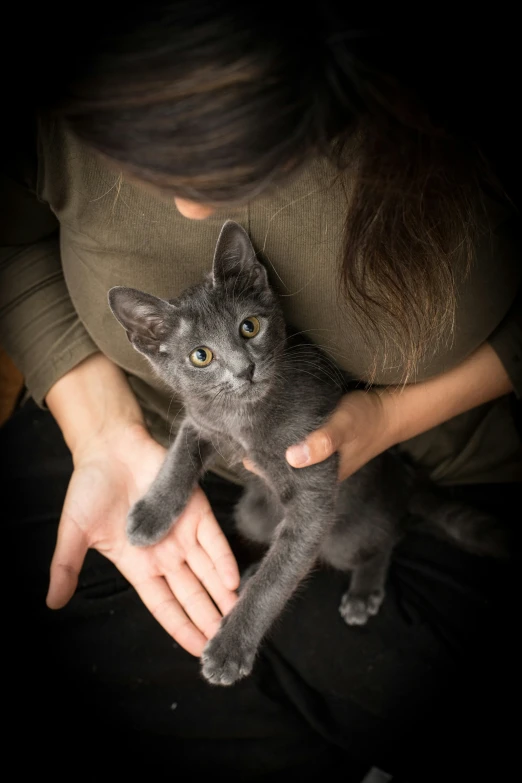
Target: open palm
[(177, 577)]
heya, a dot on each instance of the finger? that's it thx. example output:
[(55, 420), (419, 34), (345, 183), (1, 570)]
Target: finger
[(215, 544), (319, 445), (159, 600), (194, 600), (69, 554), (202, 566)]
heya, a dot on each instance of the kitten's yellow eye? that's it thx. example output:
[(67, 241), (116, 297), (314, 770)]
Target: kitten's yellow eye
[(250, 327), (201, 357)]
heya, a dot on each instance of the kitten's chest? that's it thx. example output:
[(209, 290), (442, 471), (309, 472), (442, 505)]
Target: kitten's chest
[(232, 442)]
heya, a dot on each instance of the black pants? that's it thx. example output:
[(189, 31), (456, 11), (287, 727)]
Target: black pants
[(430, 687)]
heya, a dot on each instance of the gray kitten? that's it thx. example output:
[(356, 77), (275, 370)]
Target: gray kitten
[(252, 389)]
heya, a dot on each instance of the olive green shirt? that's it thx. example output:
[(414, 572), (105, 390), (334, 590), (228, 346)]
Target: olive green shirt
[(53, 289)]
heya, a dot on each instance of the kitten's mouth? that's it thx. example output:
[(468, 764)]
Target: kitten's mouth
[(249, 392)]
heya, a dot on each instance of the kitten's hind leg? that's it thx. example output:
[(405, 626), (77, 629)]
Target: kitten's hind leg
[(258, 512), (366, 593)]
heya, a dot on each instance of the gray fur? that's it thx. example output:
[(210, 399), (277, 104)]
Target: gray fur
[(255, 399)]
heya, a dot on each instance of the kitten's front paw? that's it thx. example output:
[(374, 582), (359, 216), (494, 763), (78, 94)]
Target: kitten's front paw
[(226, 660), (357, 609), (146, 524)]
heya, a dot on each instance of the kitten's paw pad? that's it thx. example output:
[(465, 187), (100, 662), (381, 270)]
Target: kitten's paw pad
[(357, 609), (145, 525), (224, 662)]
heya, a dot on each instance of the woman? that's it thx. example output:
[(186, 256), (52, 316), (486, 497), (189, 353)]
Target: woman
[(391, 240)]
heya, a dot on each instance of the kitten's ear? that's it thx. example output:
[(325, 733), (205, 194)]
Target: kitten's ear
[(236, 256), (146, 318)]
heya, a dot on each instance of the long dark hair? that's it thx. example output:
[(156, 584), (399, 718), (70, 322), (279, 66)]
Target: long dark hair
[(216, 101)]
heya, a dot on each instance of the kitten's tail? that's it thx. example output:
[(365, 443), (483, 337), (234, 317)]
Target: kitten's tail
[(471, 530)]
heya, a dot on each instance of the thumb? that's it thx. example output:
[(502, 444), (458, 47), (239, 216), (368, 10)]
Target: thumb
[(319, 445), (69, 554)]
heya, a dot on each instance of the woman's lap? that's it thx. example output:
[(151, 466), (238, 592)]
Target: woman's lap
[(437, 656)]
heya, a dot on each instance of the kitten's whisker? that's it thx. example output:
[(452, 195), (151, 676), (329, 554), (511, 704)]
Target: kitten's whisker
[(317, 377), (322, 358), (306, 331), (212, 388), (220, 391), (312, 354), (311, 349), (325, 348)]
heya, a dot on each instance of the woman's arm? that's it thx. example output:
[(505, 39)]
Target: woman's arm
[(367, 423), (93, 401), (39, 327), (419, 407)]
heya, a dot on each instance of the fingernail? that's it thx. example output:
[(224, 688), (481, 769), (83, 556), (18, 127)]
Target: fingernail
[(298, 455)]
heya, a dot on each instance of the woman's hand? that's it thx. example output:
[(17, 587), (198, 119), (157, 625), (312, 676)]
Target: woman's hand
[(115, 461), (359, 429), (175, 578), (364, 424)]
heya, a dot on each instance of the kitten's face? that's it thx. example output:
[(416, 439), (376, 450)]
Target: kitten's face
[(222, 346), (221, 340)]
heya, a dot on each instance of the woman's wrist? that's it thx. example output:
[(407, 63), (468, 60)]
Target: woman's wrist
[(410, 410), (92, 401)]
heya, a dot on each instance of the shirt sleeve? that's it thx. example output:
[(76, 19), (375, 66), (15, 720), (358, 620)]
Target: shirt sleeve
[(506, 341), (39, 327)]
